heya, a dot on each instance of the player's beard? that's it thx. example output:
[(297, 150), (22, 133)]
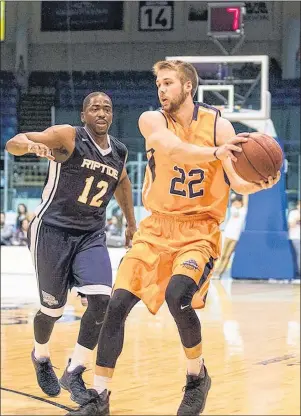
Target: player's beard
[(177, 102)]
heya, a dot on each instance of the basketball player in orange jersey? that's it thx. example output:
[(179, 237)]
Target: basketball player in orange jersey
[(186, 189)]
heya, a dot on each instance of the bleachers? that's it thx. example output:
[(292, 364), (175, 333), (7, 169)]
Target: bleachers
[(127, 89), (133, 88), (285, 92), (9, 98), (35, 111), (131, 91)]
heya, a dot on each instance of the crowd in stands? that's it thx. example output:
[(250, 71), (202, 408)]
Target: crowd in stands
[(15, 234)]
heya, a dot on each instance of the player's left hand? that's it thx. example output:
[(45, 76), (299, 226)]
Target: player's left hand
[(129, 234), (270, 183)]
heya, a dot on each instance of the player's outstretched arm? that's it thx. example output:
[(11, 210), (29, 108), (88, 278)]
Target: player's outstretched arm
[(57, 138), (152, 125), (224, 133), (123, 195)]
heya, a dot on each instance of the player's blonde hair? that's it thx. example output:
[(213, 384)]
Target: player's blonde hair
[(185, 70)]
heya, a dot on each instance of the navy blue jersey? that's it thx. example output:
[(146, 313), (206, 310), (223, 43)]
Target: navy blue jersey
[(77, 191)]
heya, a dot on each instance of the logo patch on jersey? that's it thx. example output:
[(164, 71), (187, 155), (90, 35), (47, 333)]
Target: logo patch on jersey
[(93, 165), (190, 264), (49, 299)]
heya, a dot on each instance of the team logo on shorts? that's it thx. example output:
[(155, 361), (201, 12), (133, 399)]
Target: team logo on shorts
[(49, 299), (190, 264)]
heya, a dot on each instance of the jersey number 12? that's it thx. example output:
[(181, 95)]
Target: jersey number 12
[(96, 200)]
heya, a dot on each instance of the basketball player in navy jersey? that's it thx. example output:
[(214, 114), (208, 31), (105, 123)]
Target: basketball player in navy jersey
[(66, 237)]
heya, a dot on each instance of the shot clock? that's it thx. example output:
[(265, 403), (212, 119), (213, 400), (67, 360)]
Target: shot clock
[(225, 20)]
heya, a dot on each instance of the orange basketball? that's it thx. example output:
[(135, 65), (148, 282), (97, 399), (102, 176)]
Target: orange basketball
[(260, 158)]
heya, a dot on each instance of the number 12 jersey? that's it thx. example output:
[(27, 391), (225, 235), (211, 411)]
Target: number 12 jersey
[(77, 191)]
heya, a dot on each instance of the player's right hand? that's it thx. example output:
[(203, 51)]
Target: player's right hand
[(40, 150), (226, 150), (129, 234)]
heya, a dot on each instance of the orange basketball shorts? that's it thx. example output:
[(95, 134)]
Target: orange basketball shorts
[(167, 245)]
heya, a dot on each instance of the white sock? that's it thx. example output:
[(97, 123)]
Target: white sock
[(79, 357), (194, 366), (41, 350), (101, 383)]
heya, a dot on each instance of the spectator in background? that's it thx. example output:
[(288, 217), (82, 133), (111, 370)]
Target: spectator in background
[(113, 228), (108, 224), (22, 214), (113, 232), (294, 232), (6, 231), (232, 232), (20, 237)]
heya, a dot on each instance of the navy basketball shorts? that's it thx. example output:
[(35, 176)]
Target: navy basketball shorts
[(68, 258)]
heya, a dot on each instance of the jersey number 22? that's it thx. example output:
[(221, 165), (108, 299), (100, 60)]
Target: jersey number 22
[(197, 177)]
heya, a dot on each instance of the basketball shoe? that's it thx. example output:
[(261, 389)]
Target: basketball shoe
[(74, 383), (46, 376), (98, 405), (196, 391)]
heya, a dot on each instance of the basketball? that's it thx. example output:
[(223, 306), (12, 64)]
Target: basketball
[(260, 158)]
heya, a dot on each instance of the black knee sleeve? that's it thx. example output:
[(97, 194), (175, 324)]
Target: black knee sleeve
[(111, 337), (179, 293), (92, 320), (43, 326)]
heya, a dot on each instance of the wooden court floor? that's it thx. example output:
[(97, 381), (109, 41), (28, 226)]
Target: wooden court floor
[(251, 335)]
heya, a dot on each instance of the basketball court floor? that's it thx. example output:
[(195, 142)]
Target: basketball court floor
[(251, 336)]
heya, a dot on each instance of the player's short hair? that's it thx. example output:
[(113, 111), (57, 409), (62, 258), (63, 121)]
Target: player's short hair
[(186, 71), (87, 100)]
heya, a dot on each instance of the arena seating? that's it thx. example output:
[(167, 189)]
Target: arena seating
[(9, 97), (132, 93)]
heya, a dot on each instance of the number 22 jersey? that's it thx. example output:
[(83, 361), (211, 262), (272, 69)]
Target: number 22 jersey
[(179, 188)]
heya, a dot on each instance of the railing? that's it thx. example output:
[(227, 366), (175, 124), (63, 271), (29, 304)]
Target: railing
[(29, 173)]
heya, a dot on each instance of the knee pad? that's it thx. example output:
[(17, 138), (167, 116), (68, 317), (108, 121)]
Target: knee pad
[(179, 293), (120, 305), (43, 325), (92, 320), (97, 306)]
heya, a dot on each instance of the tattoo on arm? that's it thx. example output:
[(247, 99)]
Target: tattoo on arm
[(62, 151)]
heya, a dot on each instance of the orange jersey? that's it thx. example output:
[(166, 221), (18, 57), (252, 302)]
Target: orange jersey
[(173, 188)]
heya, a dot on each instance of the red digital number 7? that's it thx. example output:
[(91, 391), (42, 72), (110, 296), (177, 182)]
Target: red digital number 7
[(236, 14)]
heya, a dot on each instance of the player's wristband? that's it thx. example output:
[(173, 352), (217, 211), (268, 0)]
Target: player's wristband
[(214, 154)]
